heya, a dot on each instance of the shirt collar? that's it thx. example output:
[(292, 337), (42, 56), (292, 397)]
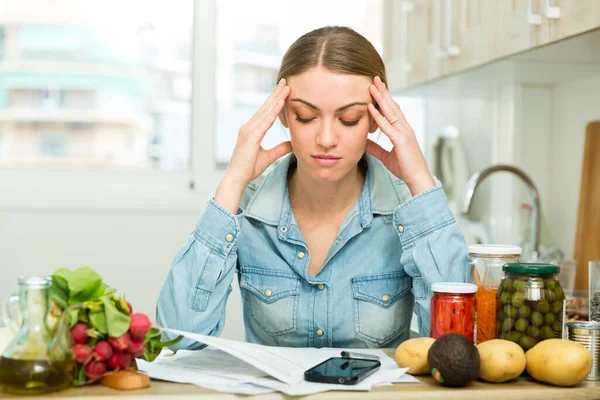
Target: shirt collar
[(381, 194)]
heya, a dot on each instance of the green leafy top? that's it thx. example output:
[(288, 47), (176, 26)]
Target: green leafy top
[(98, 305)]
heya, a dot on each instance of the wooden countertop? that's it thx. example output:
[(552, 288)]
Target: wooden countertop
[(522, 388)]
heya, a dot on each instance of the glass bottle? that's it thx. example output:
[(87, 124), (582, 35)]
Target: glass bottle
[(485, 267), (453, 309), (530, 304), (39, 359)]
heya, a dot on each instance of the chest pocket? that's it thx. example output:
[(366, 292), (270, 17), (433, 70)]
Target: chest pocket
[(271, 297), (383, 306)]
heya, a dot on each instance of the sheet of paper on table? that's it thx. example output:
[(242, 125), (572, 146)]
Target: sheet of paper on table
[(247, 368)]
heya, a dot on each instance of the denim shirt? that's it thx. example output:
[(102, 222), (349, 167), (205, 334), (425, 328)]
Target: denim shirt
[(388, 252)]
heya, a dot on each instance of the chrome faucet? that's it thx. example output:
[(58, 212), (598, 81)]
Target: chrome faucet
[(536, 216)]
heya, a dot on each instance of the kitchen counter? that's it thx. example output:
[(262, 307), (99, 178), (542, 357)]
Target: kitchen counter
[(521, 388)]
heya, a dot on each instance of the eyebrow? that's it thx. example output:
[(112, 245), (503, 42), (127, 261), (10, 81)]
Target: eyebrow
[(342, 108)]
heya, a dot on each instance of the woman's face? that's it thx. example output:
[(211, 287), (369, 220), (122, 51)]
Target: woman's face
[(328, 119)]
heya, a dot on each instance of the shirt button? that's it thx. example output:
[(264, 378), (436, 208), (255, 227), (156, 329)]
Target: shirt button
[(300, 254), (385, 297), (337, 242), (366, 217), (400, 228), (229, 237), (320, 332), (283, 229), (268, 292), (321, 286)]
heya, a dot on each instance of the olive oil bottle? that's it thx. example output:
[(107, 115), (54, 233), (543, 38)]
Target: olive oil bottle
[(34, 376), (39, 358)]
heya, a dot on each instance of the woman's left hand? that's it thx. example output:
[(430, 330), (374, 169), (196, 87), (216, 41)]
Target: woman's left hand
[(405, 159)]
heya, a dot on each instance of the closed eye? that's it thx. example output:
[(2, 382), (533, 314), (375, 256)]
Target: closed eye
[(307, 120), (350, 123), (303, 120)]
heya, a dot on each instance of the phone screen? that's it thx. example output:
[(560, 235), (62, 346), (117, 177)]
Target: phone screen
[(342, 370)]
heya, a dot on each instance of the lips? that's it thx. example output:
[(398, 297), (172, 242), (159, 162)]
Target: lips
[(326, 160)]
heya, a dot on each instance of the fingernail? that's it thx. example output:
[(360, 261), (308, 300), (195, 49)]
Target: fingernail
[(281, 80)]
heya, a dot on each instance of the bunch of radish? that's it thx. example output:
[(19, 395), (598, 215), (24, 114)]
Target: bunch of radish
[(110, 353), (106, 334)]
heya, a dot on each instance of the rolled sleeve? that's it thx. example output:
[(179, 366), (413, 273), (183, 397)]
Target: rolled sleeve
[(219, 229), (422, 215)]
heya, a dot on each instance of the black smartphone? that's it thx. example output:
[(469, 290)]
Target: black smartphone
[(345, 371)]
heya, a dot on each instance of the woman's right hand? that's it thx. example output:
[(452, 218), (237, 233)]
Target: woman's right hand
[(249, 160)]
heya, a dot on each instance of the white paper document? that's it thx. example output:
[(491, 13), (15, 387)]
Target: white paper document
[(247, 368)]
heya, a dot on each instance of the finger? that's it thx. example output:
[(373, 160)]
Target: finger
[(269, 119), (260, 123), (278, 151), (268, 104), (386, 108), (268, 157), (383, 123), (396, 111), (281, 94), (378, 151), (253, 133), (276, 107)]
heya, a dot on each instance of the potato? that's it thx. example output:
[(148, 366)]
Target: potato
[(559, 362), (500, 360), (412, 353)]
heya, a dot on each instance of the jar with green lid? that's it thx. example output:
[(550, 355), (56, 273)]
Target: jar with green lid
[(530, 304)]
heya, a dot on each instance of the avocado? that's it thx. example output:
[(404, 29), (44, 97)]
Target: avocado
[(453, 360)]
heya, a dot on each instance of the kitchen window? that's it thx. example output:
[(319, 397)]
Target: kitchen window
[(96, 105)]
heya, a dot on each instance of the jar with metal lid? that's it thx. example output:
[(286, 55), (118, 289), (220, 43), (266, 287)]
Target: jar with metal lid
[(530, 304), (485, 268), (453, 309)]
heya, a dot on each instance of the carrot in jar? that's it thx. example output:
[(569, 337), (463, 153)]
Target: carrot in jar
[(486, 313)]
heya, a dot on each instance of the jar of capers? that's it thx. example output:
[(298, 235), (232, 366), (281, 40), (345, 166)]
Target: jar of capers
[(530, 304)]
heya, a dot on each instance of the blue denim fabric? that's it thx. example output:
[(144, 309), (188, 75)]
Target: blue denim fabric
[(389, 251)]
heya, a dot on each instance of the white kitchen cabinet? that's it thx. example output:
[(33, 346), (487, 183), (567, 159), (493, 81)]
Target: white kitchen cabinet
[(406, 36), (462, 34), (427, 39), (515, 25), (571, 17)]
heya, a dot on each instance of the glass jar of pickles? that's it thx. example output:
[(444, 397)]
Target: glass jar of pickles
[(453, 309), (530, 304)]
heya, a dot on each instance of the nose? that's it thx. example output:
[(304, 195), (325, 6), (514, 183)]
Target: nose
[(327, 136)]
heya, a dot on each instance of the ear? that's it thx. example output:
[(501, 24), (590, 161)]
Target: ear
[(283, 118)]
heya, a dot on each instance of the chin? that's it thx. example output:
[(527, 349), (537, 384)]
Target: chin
[(324, 174), (327, 175)]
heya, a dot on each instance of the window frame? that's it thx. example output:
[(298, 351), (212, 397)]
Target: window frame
[(114, 189)]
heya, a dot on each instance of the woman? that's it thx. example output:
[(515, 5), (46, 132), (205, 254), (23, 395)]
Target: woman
[(337, 242)]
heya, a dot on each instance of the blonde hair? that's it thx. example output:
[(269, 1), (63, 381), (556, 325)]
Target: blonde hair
[(336, 48)]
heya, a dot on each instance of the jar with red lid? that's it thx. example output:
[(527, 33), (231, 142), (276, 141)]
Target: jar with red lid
[(453, 309)]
